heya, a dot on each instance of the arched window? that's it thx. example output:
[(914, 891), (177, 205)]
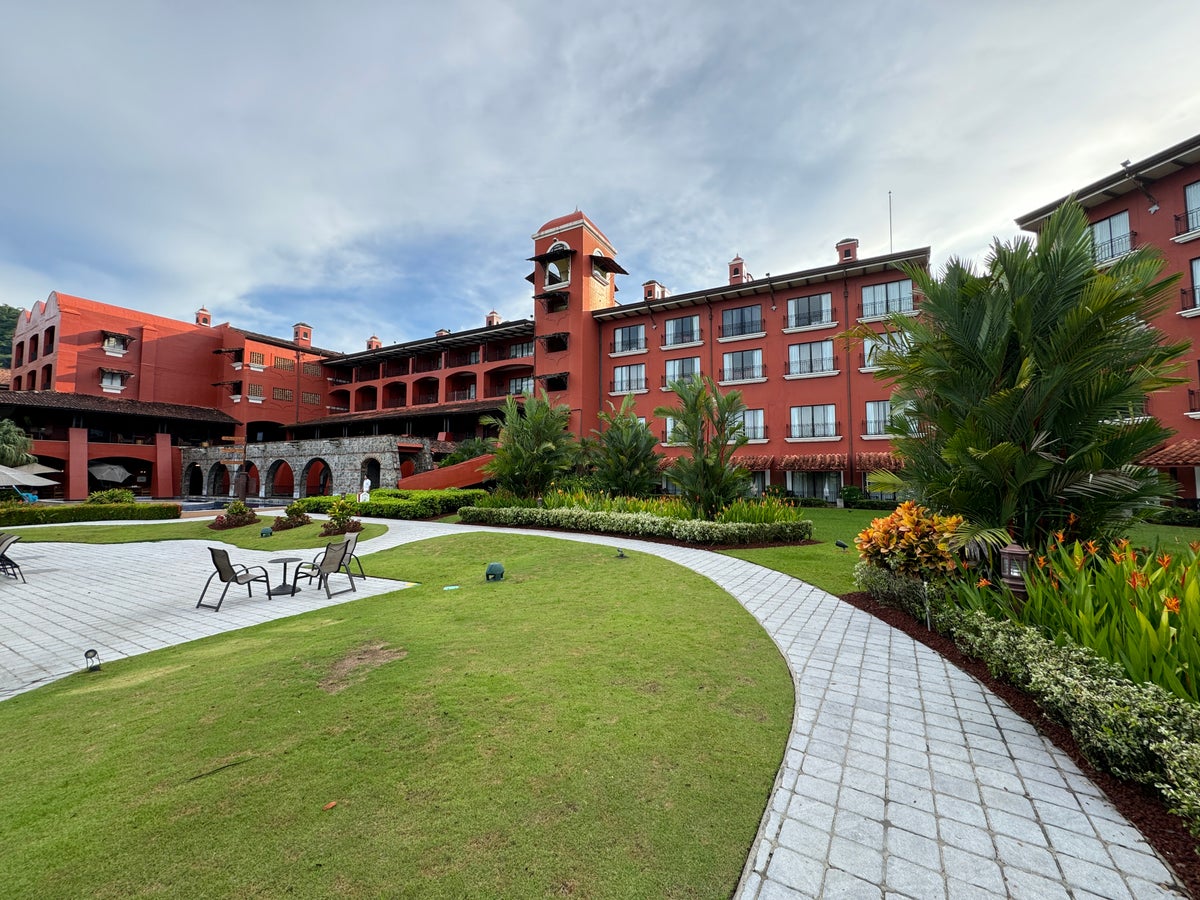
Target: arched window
[(558, 265)]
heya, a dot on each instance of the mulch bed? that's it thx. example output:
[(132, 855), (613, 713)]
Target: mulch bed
[(1166, 832)]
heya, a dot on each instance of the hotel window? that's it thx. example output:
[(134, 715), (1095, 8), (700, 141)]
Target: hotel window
[(1194, 291), (742, 365), (522, 385), (255, 390), (598, 271), (826, 485), (813, 421), (684, 330), (310, 398), (557, 271), (312, 368), (258, 359), (112, 381), (884, 299), (1190, 220), (682, 369), (629, 337), (519, 350), (668, 429), (873, 346), (806, 311), (281, 394), (741, 320), (1111, 237), (754, 425), (806, 359), (879, 412), (115, 344), (629, 378), (286, 363)]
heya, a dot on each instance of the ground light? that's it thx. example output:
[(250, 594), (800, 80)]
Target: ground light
[(495, 572), (1014, 559), (92, 658)]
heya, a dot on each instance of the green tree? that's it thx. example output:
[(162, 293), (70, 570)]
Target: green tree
[(1019, 394), (710, 425), (535, 445), (468, 449), (15, 445), (8, 325), (624, 453)]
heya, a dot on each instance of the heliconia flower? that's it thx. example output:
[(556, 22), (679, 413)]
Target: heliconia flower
[(983, 582), (1138, 580), (1041, 562), (1172, 604), (1060, 536), (1091, 547), (1117, 556), (1164, 560)]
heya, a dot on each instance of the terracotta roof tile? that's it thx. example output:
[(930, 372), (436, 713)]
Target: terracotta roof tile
[(114, 406), (1180, 453)]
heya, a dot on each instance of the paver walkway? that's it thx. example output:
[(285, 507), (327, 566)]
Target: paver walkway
[(903, 776)]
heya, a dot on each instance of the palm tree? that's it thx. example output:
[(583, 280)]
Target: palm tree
[(624, 453), (1020, 393), (14, 445), (535, 446), (710, 425)]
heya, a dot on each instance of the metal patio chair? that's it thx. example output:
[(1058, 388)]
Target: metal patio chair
[(229, 573), (330, 562)]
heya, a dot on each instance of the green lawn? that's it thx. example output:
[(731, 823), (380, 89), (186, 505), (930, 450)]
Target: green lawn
[(589, 726), (248, 537)]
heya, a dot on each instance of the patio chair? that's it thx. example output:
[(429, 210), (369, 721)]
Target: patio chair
[(351, 557), (323, 565), (228, 573), (7, 565)]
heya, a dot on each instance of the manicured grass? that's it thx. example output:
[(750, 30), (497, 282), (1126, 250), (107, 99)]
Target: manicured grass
[(248, 537), (588, 726)]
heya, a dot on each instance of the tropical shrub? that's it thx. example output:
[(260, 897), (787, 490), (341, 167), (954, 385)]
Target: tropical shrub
[(911, 541), (237, 515), (392, 503), (112, 495), (341, 517), (1020, 392), (470, 448), (293, 517), (29, 514), (624, 454), (535, 446), (709, 426), (1139, 611)]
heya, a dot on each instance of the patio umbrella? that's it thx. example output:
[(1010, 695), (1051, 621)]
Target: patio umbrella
[(17, 478), (108, 471), (37, 469)]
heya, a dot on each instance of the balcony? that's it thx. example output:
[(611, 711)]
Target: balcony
[(428, 364), (457, 396), (741, 329), (627, 386), (811, 366), (878, 308), (755, 432), (805, 320), (680, 338), (1187, 222), (464, 359), (632, 346), (874, 427), (743, 373), (814, 430), (425, 399), (665, 384), (1115, 247), (1189, 298)]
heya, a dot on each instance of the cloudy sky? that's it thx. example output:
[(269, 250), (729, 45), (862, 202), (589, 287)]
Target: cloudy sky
[(380, 166)]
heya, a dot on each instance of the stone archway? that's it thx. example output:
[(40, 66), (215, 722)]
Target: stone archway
[(317, 478), (370, 470), (280, 481), (193, 480), (218, 480)]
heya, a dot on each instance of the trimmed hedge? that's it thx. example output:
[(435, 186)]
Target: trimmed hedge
[(692, 531), (1177, 515), (88, 512), (390, 503)]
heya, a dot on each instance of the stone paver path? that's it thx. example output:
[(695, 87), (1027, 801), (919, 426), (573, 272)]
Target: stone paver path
[(903, 776)]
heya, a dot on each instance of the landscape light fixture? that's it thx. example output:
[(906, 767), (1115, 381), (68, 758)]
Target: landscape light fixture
[(1014, 559), (92, 659), (495, 572), (621, 554)]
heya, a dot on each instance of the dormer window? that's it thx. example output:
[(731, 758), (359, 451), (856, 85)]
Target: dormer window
[(112, 381), (115, 343)]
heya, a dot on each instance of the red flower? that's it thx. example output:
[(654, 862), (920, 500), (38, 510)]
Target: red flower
[(983, 582)]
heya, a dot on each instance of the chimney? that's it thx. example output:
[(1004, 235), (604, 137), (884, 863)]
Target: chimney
[(847, 250), (493, 318), (737, 271), (302, 334), (652, 290), (441, 332), (204, 317), (374, 343)]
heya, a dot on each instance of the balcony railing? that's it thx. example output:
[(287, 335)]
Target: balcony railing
[(465, 359), (805, 319), (427, 365), (1188, 221), (811, 366), (626, 385), (737, 329), (667, 379), (425, 399), (874, 426), (627, 346), (814, 430), (873, 308), (743, 373), (1193, 400), (454, 396), (394, 368), (693, 336), (1189, 298), (1117, 245), (755, 432)]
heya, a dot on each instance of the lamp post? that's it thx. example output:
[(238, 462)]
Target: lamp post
[(1014, 559)]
